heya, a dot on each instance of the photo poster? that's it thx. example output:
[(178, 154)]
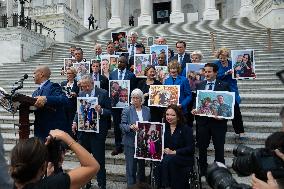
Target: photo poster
[(163, 95), (112, 61), (105, 65), (141, 61), (125, 54), (243, 64), (120, 39), (156, 50), (119, 93), (195, 73), (88, 118), (162, 73), (150, 41), (68, 62), (215, 104), (82, 68), (149, 141)]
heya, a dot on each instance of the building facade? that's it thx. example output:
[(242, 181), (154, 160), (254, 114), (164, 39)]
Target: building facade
[(68, 17)]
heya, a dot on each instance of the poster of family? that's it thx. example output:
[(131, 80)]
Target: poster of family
[(215, 104), (149, 141)]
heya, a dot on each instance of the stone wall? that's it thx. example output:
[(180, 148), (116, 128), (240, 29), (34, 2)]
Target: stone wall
[(59, 18), (11, 40)]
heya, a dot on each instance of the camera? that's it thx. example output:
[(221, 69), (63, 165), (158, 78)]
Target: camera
[(259, 161), (219, 177)]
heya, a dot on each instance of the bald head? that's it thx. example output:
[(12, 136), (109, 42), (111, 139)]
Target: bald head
[(41, 74)]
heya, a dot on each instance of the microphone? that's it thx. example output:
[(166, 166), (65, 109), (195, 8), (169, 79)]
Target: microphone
[(22, 79)]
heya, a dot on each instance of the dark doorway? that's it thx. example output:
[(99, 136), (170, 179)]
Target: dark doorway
[(162, 12), (219, 7)]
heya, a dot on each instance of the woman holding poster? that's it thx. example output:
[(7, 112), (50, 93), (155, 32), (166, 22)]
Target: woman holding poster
[(131, 114)]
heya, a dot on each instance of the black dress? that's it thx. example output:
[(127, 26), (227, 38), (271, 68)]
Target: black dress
[(156, 112)]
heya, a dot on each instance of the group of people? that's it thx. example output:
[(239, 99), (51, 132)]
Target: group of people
[(179, 143)]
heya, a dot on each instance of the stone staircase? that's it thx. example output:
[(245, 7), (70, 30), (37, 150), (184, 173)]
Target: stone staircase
[(262, 98)]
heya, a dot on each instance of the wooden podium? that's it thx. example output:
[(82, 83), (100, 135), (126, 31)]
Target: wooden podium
[(24, 110)]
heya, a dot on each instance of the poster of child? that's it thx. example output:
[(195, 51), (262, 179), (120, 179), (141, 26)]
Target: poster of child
[(87, 116), (82, 68), (68, 62), (119, 93), (112, 61), (120, 41), (163, 95), (162, 73), (215, 104), (149, 141), (141, 61), (243, 64), (159, 51), (195, 74)]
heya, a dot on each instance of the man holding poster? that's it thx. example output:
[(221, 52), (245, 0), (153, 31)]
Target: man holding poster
[(95, 142), (210, 126)]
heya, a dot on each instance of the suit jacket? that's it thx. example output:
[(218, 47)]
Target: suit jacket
[(128, 76), (219, 86), (129, 117), (181, 140), (104, 102), (186, 59), (103, 81), (47, 119), (185, 92)]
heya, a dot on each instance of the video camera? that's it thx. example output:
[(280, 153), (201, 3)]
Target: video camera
[(259, 161), (247, 161)]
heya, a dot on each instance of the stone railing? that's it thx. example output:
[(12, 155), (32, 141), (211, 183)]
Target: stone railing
[(262, 6)]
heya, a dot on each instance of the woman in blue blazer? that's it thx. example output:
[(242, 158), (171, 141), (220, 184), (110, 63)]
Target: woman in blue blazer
[(174, 69), (131, 114)]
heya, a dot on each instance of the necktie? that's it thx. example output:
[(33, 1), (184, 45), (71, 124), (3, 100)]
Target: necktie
[(132, 50), (180, 59), (210, 86), (95, 76), (120, 75)]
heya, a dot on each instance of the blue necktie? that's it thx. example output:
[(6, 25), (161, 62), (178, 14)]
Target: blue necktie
[(132, 50), (210, 86), (95, 76), (180, 59), (120, 75)]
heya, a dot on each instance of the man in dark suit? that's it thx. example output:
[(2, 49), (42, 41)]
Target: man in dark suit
[(120, 74), (95, 142), (208, 127), (51, 95), (182, 57), (95, 74)]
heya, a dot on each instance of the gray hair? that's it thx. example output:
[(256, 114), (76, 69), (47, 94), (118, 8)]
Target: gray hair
[(133, 33), (197, 52), (87, 78), (139, 93)]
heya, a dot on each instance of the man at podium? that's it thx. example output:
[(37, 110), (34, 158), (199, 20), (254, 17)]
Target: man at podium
[(51, 102)]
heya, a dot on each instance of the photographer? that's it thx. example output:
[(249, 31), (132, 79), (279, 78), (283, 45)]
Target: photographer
[(28, 167), (274, 142)]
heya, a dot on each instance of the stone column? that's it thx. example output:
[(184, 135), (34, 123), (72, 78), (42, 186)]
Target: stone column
[(9, 6), (115, 20), (73, 7), (210, 12), (176, 15), (146, 12), (246, 9), (96, 11), (88, 6)]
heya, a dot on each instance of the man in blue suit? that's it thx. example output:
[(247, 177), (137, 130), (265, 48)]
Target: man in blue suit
[(95, 142), (209, 127), (182, 57), (120, 74), (51, 103)]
